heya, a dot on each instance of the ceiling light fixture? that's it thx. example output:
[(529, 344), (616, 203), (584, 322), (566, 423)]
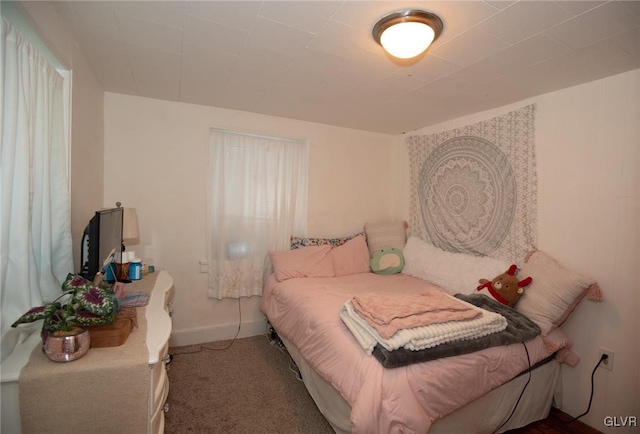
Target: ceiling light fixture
[(407, 33)]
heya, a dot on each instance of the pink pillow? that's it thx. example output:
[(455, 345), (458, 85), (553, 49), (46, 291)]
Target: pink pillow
[(351, 258), (312, 261), (554, 292)]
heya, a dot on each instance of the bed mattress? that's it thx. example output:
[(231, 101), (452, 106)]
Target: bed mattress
[(409, 399), (488, 414)]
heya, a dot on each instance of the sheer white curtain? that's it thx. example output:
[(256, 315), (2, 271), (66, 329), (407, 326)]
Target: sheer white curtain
[(34, 196), (257, 197)]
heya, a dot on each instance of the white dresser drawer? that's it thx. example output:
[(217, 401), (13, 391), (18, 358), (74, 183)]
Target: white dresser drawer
[(156, 421), (160, 386), (159, 328)]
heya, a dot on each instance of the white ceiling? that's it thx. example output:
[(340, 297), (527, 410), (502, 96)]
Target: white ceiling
[(317, 61)]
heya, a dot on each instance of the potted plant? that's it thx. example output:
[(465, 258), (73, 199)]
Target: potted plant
[(64, 334)]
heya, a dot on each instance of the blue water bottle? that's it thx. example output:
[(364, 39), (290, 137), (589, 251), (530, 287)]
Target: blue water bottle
[(135, 269)]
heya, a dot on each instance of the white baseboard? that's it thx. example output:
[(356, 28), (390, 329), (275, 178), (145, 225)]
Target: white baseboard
[(217, 333)]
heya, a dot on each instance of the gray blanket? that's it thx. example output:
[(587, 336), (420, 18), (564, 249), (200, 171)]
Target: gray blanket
[(519, 329)]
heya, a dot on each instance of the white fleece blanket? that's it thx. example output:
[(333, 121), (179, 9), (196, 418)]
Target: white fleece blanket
[(419, 338)]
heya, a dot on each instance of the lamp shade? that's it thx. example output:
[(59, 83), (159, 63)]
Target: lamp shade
[(408, 33), (130, 232)]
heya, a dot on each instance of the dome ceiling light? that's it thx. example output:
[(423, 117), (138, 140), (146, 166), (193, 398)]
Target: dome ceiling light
[(407, 33)]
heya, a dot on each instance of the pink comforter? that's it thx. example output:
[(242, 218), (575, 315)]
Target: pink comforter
[(408, 399)]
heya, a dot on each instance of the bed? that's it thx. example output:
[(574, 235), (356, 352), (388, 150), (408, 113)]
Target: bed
[(467, 393)]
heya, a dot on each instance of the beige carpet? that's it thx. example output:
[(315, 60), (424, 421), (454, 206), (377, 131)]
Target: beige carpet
[(247, 388)]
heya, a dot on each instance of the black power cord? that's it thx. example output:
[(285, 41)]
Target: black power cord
[(203, 347), (593, 373), (523, 389), (276, 341)]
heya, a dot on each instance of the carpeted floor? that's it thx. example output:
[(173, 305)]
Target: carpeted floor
[(247, 388), (250, 388)]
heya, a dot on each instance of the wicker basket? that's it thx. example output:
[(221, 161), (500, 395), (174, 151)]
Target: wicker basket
[(116, 334)]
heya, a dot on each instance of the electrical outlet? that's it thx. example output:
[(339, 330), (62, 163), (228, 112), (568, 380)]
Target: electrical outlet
[(608, 363)]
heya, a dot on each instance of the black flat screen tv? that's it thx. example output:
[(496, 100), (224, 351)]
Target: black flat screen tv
[(102, 235)]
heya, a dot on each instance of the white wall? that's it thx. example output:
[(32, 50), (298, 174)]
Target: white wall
[(587, 144), (87, 116), (156, 155), (588, 158)]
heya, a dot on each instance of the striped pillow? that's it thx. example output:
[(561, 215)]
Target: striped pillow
[(381, 235)]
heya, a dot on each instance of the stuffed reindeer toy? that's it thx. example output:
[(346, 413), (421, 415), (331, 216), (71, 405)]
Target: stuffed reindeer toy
[(504, 288)]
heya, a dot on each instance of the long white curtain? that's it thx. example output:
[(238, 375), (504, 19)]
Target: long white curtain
[(35, 227), (257, 191)]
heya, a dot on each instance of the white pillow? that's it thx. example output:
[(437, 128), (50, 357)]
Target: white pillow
[(453, 272)]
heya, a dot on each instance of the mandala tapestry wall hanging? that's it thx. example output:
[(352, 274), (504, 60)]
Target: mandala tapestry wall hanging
[(473, 189)]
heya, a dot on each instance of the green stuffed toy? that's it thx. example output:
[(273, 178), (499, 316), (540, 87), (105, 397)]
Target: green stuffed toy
[(387, 260)]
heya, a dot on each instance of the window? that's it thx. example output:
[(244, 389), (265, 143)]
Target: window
[(35, 203), (256, 200)]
